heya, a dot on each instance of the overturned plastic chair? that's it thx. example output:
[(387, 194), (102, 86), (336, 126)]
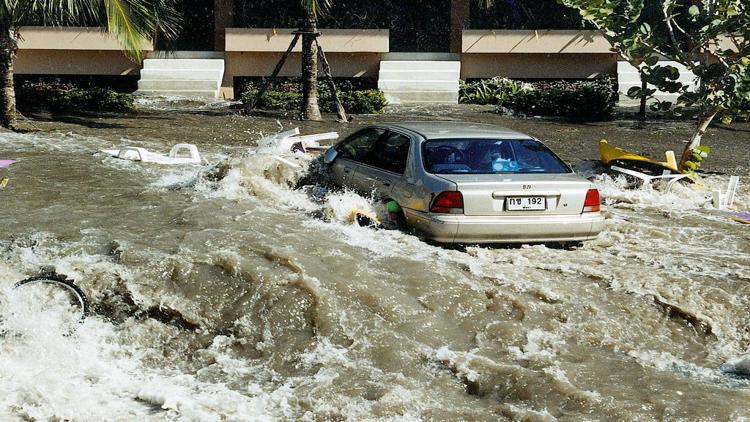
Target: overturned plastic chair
[(291, 140), (723, 200), (177, 155), (647, 178)]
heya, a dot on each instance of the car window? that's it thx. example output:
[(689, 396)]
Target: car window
[(390, 153), (532, 154), (487, 156), (357, 146)]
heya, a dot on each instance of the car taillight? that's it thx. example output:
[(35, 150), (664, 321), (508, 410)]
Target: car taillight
[(449, 202), (592, 202)]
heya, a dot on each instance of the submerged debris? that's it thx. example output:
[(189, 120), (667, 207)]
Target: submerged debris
[(738, 367), (61, 280), (676, 312), (175, 156)]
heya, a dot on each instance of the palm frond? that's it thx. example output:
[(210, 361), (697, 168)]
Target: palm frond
[(317, 8), (59, 12), (167, 19), (131, 23)]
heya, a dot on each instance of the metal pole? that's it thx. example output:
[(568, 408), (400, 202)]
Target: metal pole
[(275, 73), (331, 84)]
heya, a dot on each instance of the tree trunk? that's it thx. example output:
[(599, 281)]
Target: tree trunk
[(460, 11), (8, 49), (642, 107), (704, 119), (310, 110)]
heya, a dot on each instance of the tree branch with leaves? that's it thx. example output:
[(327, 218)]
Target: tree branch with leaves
[(131, 22), (711, 38)]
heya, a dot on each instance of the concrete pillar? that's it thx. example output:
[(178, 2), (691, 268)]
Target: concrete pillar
[(459, 16), (223, 19)]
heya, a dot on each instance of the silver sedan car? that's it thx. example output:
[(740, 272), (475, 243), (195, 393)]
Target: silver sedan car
[(469, 183)]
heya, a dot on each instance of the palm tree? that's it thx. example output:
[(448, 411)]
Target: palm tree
[(309, 29), (129, 21)]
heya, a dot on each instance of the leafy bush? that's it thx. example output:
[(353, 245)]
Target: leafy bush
[(586, 99), (65, 96), (369, 101), (495, 91), (581, 100), (274, 100), (286, 96), (292, 84)]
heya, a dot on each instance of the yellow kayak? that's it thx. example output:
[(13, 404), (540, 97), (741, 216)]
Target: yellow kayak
[(613, 155)]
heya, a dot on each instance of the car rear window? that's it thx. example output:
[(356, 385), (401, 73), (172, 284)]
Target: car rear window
[(487, 156)]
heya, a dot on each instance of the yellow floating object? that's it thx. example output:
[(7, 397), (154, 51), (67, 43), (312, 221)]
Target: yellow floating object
[(363, 217), (4, 182), (611, 154)]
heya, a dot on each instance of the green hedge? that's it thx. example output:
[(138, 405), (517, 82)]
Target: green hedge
[(592, 99), (274, 100), (495, 91), (369, 101), (580, 100), (289, 98), (68, 97)]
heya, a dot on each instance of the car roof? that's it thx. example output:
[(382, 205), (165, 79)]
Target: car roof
[(447, 130)]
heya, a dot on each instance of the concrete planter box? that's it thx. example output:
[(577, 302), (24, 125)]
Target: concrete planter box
[(70, 38), (256, 40), (536, 54), (255, 52), (72, 51)]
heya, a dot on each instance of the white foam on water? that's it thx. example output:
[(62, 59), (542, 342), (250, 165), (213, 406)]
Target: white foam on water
[(461, 362), (52, 367), (682, 197), (326, 353), (665, 361), (56, 144), (179, 102), (92, 375), (340, 206), (540, 346), (739, 365)]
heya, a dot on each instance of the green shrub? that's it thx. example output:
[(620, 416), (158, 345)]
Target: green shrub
[(495, 91), (64, 96), (287, 98), (274, 100), (580, 100), (369, 101)]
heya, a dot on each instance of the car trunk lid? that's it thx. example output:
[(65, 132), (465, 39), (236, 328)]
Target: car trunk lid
[(521, 194)]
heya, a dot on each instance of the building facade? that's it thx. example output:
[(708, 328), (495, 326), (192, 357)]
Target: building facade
[(442, 40)]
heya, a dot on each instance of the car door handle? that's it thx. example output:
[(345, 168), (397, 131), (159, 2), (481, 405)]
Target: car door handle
[(381, 181)]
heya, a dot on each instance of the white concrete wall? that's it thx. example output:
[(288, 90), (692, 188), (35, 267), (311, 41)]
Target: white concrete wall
[(628, 77)]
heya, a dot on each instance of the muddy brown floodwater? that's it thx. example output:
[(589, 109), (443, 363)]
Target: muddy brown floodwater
[(240, 298)]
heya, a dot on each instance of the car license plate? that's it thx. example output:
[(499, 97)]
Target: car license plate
[(526, 203)]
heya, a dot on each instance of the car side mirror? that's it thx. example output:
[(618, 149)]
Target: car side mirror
[(330, 155)]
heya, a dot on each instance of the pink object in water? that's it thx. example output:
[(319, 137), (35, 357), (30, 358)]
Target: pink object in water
[(6, 163), (742, 217)]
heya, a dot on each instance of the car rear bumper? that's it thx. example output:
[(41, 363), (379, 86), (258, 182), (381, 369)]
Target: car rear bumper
[(450, 228)]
